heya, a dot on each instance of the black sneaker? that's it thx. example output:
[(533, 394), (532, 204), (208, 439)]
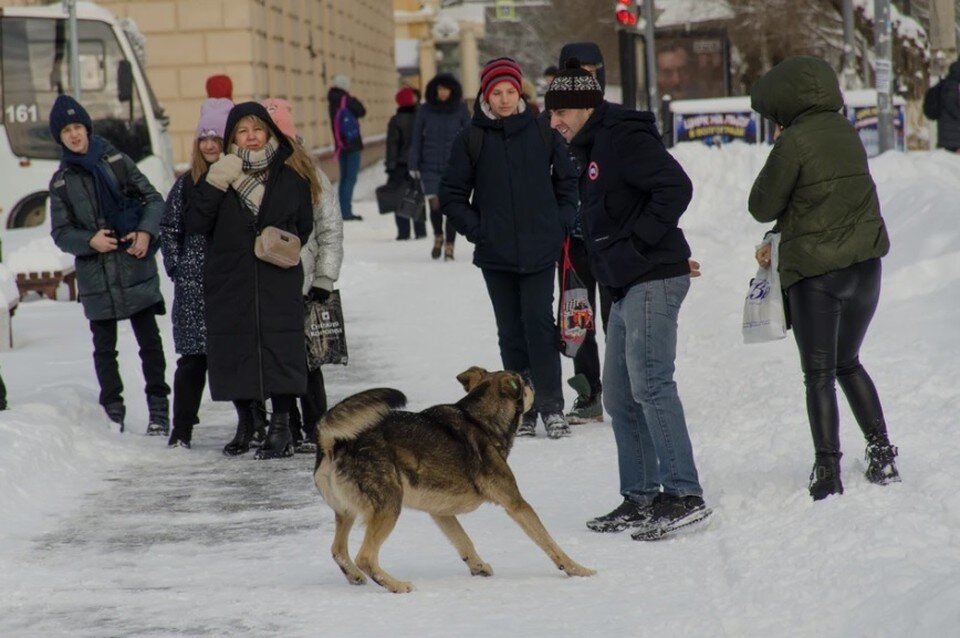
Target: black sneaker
[(528, 424), (555, 425), (671, 513), (628, 514)]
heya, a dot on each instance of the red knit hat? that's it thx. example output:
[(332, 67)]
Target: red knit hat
[(405, 97), (497, 71), (220, 86)]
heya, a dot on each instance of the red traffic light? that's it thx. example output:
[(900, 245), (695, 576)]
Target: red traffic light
[(625, 16)]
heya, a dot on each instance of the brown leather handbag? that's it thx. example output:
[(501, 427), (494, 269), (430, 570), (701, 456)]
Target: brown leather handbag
[(277, 247)]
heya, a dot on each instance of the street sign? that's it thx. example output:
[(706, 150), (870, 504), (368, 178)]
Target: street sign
[(505, 10)]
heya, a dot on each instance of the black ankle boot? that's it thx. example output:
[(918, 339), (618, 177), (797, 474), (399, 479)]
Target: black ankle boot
[(259, 423), (881, 468), (241, 440), (825, 478), (278, 443)]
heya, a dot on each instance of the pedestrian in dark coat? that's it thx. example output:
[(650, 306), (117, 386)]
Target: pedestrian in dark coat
[(523, 201), (942, 104), (254, 309), (439, 120), (632, 194), (113, 230), (399, 138), (347, 150), (183, 258), (816, 186)]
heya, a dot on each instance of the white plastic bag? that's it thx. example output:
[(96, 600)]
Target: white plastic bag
[(763, 313)]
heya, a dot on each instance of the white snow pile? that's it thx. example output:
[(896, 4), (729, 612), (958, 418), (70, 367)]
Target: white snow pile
[(108, 534)]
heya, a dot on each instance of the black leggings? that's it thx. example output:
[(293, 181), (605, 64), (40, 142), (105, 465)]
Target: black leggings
[(436, 220), (830, 316)]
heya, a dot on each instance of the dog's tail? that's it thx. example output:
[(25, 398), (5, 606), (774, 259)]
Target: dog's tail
[(358, 413)]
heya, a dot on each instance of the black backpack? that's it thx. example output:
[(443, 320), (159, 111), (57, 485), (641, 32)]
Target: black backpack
[(475, 141)]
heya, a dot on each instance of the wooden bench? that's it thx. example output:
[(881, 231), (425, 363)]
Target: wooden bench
[(46, 282)]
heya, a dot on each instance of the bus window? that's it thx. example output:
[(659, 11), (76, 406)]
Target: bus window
[(35, 70)]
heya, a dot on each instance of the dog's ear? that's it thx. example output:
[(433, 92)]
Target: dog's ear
[(511, 386), (471, 377)]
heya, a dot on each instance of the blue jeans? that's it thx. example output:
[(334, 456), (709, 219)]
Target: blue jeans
[(639, 393), (349, 171)]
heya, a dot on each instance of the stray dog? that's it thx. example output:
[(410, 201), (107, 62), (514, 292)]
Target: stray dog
[(374, 459)]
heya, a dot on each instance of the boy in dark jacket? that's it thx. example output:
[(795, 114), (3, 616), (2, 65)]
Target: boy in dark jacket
[(942, 103), (632, 194), (110, 227), (399, 139)]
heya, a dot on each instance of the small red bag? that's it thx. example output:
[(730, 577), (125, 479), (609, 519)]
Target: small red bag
[(574, 314)]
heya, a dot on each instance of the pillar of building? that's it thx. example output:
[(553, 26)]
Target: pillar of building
[(469, 61), (428, 60)]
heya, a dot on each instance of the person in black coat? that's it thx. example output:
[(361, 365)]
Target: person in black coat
[(524, 197), (254, 309), (399, 138), (942, 103), (347, 149), (439, 121)]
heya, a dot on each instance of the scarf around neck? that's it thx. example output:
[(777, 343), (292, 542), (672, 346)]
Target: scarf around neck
[(251, 184), (110, 201)]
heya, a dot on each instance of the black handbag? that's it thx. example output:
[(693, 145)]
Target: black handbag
[(412, 201), (388, 196)]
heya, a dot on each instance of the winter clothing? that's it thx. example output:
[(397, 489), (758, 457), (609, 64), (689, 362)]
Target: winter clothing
[(183, 260), (334, 97), (189, 381), (816, 183), (113, 285), (627, 514), (341, 81), (220, 86), (942, 103), (281, 112), (405, 97), (434, 131), (399, 138), (587, 53), (632, 194), (322, 254), (66, 110), (213, 117), (349, 164), (144, 324), (573, 88), (497, 71), (670, 513), (519, 211), (254, 310)]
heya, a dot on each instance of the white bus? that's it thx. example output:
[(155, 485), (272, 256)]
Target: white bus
[(35, 69)]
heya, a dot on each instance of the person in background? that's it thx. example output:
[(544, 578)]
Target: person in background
[(254, 309), (548, 74), (399, 137), (510, 189), (322, 256), (219, 87), (183, 259), (942, 104), (3, 395), (345, 114), (112, 227), (816, 187), (438, 122), (632, 195)]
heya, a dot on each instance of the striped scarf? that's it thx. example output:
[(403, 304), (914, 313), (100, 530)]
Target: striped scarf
[(251, 184)]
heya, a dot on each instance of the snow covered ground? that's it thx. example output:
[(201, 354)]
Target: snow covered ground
[(107, 534)]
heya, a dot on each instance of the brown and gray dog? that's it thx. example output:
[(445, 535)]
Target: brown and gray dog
[(374, 459)]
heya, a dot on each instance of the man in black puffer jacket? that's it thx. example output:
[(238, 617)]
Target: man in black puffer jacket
[(632, 194), (942, 103)]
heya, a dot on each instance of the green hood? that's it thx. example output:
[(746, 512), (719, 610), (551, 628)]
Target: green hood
[(795, 87)]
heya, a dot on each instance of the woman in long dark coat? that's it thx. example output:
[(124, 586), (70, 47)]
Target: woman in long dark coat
[(254, 310)]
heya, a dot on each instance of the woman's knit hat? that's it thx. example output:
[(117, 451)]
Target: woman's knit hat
[(67, 110), (213, 117), (497, 71), (220, 86), (573, 88), (405, 97), (281, 112)]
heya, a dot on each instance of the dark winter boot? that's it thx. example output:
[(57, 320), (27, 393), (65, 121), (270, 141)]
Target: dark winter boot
[(116, 412), (278, 443), (245, 427), (881, 468), (825, 477), (181, 435), (437, 246), (588, 406), (159, 408), (259, 423), (296, 423)]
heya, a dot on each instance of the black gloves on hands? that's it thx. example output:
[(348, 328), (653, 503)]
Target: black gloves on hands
[(318, 294)]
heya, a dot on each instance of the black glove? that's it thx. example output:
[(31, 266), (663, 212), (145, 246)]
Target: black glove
[(318, 294)]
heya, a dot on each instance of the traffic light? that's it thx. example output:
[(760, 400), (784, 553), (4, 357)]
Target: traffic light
[(626, 15)]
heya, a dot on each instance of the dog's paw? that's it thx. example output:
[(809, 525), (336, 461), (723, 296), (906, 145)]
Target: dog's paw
[(353, 577), (481, 569), (399, 587), (575, 569)]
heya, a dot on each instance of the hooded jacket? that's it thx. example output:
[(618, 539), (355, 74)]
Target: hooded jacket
[(632, 194), (254, 310), (113, 285), (435, 129), (516, 203), (334, 96), (816, 184), (942, 103)]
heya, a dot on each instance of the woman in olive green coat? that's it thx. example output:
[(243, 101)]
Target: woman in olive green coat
[(816, 186)]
